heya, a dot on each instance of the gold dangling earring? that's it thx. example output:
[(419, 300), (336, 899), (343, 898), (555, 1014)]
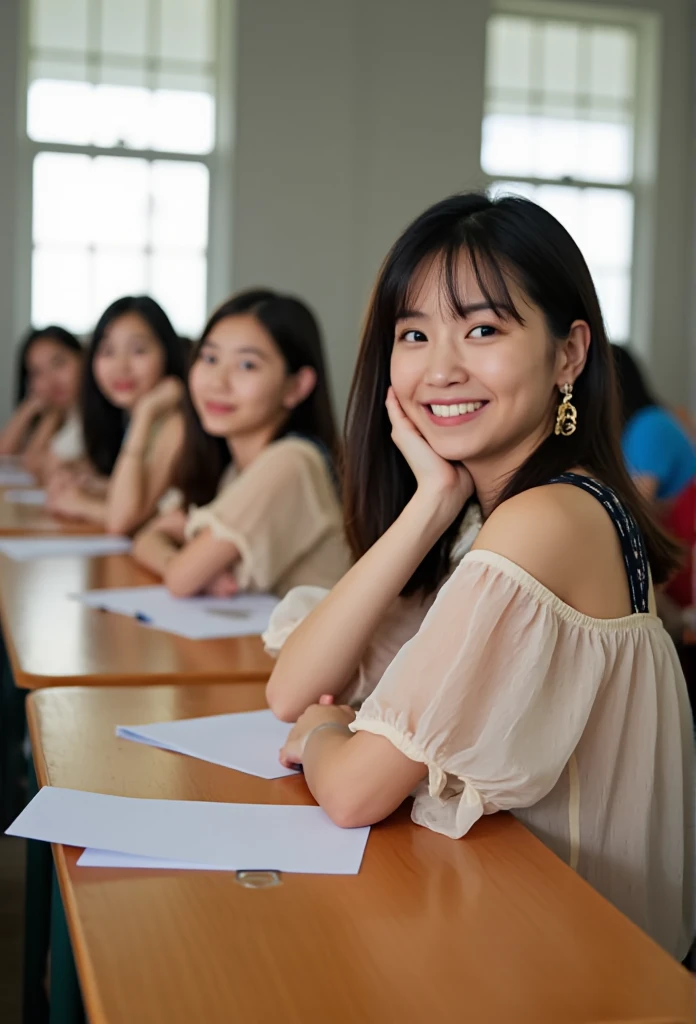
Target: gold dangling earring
[(567, 418)]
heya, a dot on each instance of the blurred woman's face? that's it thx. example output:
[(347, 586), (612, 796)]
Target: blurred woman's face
[(239, 382), (129, 361), (53, 373)]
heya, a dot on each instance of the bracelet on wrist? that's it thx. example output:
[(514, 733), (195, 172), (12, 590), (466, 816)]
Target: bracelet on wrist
[(326, 725)]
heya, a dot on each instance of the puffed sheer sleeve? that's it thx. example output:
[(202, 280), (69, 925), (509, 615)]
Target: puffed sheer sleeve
[(492, 693), (275, 512)]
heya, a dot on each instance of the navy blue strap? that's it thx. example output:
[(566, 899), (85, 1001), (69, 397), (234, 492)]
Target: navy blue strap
[(632, 543)]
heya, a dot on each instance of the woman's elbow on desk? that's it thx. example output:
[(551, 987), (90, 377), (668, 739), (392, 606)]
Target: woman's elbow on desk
[(176, 582), (283, 707), (119, 525)]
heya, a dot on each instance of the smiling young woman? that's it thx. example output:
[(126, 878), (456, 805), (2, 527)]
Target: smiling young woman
[(49, 367), (256, 467), (131, 389), (540, 680)]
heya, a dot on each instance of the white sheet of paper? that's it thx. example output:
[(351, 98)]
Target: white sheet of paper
[(19, 497), (198, 618), (92, 858), (22, 549), (248, 741), (254, 837), (15, 476)]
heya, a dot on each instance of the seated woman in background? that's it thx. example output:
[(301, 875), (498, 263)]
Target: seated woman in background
[(662, 460), (658, 450), (131, 392), (257, 460), (540, 681), (48, 387)]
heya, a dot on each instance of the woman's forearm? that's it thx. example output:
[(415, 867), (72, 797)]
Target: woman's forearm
[(323, 653), (37, 453), (126, 493), (15, 430), (154, 550), (89, 508)]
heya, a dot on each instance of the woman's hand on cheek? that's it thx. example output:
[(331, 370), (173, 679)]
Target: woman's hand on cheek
[(450, 482), (34, 404), (316, 714), (163, 398)]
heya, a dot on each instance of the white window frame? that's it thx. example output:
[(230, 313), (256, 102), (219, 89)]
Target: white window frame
[(646, 25), (218, 162)]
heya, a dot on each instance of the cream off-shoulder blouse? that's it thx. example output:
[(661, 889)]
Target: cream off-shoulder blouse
[(579, 726), (283, 515)]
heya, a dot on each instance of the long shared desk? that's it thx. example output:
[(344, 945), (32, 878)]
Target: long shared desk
[(490, 929)]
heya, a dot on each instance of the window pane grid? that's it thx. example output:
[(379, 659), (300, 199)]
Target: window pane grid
[(560, 98), (601, 222), (121, 109), (164, 29), (121, 225), (97, 62)]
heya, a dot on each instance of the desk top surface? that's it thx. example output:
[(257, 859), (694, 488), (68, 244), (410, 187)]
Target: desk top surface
[(492, 928), (53, 640), (31, 520)]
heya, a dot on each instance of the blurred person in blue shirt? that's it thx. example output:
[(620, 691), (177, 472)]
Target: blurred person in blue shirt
[(658, 451)]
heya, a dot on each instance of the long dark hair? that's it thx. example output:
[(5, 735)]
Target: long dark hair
[(104, 424), (506, 238), (295, 331), (51, 333), (634, 393)]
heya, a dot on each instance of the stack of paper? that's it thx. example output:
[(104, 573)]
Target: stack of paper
[(22, 549), (248, 742), (198, 618), (207, 836), (14, 476), (20, 497)]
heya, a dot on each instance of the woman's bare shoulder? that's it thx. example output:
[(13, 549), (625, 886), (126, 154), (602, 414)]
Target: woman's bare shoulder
[(561, 536)]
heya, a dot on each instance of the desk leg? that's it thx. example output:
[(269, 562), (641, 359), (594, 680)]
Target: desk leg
[(12, 728), (37, 921), (66, 999)]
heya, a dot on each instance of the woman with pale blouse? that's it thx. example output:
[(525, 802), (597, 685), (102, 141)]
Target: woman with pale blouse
[(258, 507), (131, 425), (538, 678), (44, 421)]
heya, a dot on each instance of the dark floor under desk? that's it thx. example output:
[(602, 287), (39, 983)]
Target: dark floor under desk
[(12, 856)]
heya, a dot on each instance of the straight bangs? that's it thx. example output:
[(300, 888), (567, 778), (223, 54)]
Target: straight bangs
[(489, 270)]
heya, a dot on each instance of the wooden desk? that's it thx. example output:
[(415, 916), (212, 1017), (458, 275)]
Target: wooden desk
[(18, 520), (492, 929), (53, 640)]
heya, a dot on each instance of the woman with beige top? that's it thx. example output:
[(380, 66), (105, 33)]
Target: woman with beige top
[(540, 680), (131, 427), (260, 508)]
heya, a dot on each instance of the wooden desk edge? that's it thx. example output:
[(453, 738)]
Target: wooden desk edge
[(88, 984), (31, 682)]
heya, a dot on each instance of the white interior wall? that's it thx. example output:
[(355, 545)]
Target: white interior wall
[(352, 116)]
